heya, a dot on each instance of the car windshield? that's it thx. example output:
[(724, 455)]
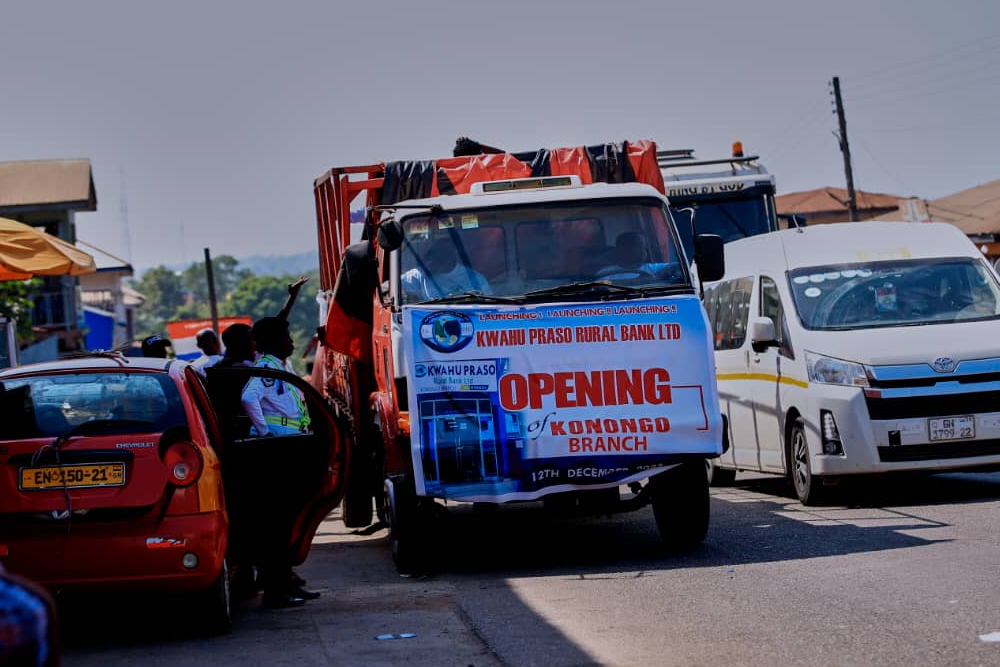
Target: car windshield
[(894, 293), (51, 405), (500, 253)]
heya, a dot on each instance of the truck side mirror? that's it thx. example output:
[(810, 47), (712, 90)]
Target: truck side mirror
[(710, 256), (761, 333), (390, 235)]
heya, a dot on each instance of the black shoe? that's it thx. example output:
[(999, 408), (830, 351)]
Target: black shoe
[(281, 601), (303, 593), (296, 580)]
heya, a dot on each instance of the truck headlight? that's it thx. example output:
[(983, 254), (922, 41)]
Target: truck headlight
[(827, 370)]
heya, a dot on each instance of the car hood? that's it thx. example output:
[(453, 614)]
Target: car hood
[(921, 344)]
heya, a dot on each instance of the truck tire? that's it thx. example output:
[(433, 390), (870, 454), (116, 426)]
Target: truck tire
[(719, 476), (808, 487), (406, 543), (681, 505)]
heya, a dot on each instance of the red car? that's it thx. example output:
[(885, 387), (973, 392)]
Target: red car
[(112, 476)]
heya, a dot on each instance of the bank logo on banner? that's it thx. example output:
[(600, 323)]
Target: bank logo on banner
[(446, 331)]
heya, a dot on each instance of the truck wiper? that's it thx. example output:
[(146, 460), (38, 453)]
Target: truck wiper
[(473, 295), (585, 287)]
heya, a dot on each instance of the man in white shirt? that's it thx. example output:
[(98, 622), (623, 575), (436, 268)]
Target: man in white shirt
[(274, 406), (211, 349), (442, 273)]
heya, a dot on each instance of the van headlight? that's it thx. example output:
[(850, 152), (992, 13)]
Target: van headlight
[(827, 370)]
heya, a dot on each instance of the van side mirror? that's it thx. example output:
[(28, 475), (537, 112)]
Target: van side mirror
[(390, 235), (710, 256), (761, 334)]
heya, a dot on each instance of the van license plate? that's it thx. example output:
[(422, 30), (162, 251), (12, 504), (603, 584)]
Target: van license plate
[(72, 476), (952, 428)]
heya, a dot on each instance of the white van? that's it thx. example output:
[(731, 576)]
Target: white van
[(856, 348)]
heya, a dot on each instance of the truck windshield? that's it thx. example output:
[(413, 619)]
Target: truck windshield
[(731, 219), (894, 293), (506, 252)]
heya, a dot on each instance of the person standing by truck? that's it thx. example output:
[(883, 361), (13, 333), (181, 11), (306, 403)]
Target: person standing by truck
[(276, 408)]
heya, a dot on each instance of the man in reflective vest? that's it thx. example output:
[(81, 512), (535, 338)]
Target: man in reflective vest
[(274, 406)]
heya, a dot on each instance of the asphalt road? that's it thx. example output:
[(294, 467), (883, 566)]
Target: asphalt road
[(901, 572)]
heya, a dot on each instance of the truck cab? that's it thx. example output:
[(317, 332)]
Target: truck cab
[(531, 338), (732, 197)]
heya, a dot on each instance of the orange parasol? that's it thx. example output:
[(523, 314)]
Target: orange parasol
[(26, 252)]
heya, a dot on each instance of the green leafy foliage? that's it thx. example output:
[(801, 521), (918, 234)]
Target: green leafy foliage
[(177, 296), (15, 303)]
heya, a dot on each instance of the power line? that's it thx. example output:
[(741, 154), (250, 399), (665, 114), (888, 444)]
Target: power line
[(931, 56), (885, 171), (921, 69), (926, 93), (923, 82), (955, 124)]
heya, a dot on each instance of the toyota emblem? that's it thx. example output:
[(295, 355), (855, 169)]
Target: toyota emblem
[(943, 364)]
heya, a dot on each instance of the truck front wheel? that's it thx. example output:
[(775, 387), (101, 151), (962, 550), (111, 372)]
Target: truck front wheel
[(681, 505), (403, 514)]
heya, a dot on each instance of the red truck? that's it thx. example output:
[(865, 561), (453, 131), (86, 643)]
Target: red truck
[(509, 327)]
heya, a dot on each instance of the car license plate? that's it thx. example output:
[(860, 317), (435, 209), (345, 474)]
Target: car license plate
[(72, 476), (952, 428)]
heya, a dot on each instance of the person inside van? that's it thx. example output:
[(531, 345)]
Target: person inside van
[(982, 302)]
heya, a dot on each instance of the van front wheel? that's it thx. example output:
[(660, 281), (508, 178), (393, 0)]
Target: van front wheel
[(808, 487)]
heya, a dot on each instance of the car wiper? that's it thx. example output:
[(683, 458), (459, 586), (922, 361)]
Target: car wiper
[(473, 296), (587, 287)]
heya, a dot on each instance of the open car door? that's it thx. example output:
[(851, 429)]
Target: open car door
[(303, 473)]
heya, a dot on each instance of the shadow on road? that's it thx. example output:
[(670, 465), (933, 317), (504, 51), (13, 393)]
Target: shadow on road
[(754, 521)]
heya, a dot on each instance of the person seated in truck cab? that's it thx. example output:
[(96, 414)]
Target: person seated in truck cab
[(631, 260), (440, 271)]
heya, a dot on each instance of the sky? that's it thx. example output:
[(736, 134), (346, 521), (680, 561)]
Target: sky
[(217, 116)]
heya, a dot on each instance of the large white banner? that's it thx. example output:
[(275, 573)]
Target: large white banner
[(513, 402)]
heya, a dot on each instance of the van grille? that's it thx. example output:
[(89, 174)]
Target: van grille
[(949, 450), (942, 405)]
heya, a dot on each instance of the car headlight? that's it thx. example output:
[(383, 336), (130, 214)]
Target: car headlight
[(827, 370)]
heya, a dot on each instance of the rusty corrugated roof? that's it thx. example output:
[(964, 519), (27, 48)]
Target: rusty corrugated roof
[(828, 200), (47, 183), (974, 211)]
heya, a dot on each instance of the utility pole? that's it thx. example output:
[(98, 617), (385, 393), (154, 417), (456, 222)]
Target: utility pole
[(210, 276), (845, 148)]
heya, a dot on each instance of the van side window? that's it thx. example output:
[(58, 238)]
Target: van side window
[(770, 306), (727, 305)]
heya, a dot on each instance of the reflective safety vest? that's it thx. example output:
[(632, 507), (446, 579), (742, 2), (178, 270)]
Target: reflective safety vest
[(302, 421)]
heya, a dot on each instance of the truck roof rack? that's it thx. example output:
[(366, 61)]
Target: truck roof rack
[(675, 154), (672, 161)]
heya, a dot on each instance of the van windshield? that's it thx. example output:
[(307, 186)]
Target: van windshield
[(508, 252), (894, 293)]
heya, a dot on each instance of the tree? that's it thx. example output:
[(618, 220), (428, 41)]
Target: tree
[(164, 294), (16, 303), (227, 276)]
